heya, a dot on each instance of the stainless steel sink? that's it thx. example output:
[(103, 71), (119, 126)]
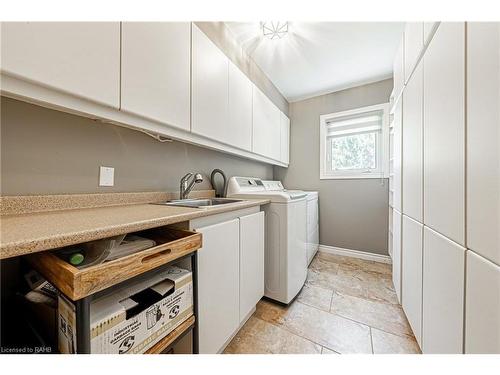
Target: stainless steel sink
[(200, 203)]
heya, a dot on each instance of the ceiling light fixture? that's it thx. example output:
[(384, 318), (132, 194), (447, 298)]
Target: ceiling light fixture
[(274, 29)]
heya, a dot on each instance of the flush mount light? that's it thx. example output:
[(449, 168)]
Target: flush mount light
[(275, 29)]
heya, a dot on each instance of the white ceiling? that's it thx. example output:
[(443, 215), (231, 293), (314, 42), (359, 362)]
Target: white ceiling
[(321, 57)]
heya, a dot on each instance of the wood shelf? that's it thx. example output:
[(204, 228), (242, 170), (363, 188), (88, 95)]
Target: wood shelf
[(77, 283), (164, 343)]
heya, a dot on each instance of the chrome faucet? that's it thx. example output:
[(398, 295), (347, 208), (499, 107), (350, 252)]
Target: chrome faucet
[(185, 187)]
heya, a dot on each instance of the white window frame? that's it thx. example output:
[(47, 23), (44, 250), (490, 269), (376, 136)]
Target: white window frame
[(384, 149)]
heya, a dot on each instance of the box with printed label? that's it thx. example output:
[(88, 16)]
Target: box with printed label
[(133, 318)]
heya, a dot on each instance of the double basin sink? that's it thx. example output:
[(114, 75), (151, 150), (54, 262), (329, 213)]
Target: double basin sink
[(200, 203)]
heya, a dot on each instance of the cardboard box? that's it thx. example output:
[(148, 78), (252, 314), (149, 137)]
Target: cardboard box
[(133, 318)]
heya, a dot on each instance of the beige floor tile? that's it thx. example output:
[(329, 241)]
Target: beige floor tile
[(316, 297), (355, 263), (385, 316), (260, 337), (271, 312), (387, 343), (336, 333)]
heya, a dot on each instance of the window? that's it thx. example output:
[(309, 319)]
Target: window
[(354, 143)]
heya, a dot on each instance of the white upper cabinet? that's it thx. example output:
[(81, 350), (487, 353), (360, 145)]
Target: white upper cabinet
[(396, 252), (155, 74), (444, 132), (210, 88), (411, 272), (397, 155), (443, 295), (79, 58), (414, 43), (266, 126), (429, 28), (413, 146), (239, 129), (399, 69), (482, 306), (483, 139), (285, 138)]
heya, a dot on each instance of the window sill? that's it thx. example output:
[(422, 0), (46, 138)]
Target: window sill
[(353, 177)]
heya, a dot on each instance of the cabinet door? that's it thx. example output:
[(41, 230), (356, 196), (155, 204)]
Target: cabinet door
[(399, 69), (81, 58), (444, 132), (285, 139), (482, 307), (411, 272), (210, 88), (251, 262), (414, 43), (443, 292), (218, 285), (483, 139), (429, 28), (266, 126), (239, 130), (396, 252), (155, 74), (397, 156), (413, 146)]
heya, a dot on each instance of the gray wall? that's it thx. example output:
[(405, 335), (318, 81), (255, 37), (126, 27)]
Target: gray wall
[(49, 152), (353, 213)]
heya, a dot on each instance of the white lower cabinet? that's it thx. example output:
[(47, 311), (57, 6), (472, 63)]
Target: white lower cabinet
[(230, 274), (218, 285), (443, 294), (482, 306), (396, 252), (411, 273), (251, 262)]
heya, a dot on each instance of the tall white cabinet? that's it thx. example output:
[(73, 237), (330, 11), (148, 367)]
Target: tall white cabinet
[(155, 71), (450, 192), (443, 294), (482, 328), (411, 274), (78, 58), (483, 139), (396, 252), (444, 132), (412, 165)]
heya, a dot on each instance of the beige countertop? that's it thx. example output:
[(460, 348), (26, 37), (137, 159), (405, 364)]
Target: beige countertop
[(27, 233)]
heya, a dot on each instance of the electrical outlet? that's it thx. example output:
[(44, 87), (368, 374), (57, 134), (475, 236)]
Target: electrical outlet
[(107, 176)]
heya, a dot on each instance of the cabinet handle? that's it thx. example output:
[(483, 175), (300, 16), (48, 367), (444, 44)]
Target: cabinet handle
[(159, 254)]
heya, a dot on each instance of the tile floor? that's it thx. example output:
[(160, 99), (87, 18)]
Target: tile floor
[(347, 305)]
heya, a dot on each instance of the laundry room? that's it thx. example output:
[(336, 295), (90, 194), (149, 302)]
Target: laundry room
[(246, 187)]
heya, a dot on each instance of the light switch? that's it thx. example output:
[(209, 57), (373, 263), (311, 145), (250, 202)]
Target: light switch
[(106, 176)]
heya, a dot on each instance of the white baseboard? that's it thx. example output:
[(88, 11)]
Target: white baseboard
[(355, 254)]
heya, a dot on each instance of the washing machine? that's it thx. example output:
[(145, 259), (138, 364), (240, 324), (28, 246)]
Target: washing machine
[(286, 234)]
